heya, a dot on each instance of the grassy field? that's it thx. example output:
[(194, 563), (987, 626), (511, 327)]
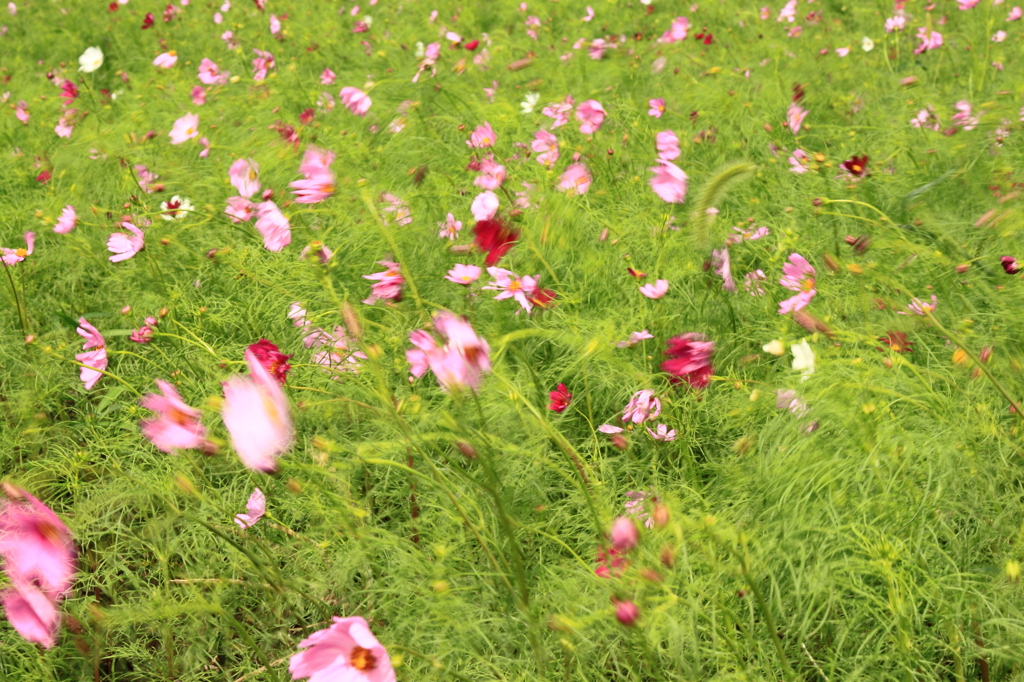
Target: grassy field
[(822, 482)]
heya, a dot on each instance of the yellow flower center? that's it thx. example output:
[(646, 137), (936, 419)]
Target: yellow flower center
[(807, 284), (20, 253), (515, 285), (362, 659)]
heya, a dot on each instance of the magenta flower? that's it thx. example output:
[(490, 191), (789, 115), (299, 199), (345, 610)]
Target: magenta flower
[(720, 264), (388, 283), (68, 220), (35, 544), (95, 359), (642, 406), (314, 188), (459, 363), (559, 112), (257, 417), (485, 206), (930, 40), (263, 62), (166, 60), (144, 334), (450, 228), (798, 161), (357, 101), (680, 28), (327, 77), (669, 182), (624, 534), (176, 426), (963, 118), (657, 107), (275, 25), (510, 285), (199, 96), (185, 128), (483, 136), (210, 74), (635, 338), (492, 174), (689, 359), (967, 4), (668, 145), (919, 307), (32, 614), (591, 114), (21, 112), (463, 274), (11, 257), (797, 275), (125, 246), (244, 175), (273, 226), (546, 145), (345, 652), (255, 508), (240, 209), (655, 290), (575, 179), (795, 116)]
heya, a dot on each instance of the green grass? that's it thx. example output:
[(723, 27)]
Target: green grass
[(874, 546)]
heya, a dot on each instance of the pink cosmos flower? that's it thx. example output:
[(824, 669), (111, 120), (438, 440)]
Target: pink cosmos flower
[(967, 4), (510, 285), (609, 428), (680, 28), (999, 36), (669, 182), (394, 205), (263, 62), (642, 406), (963, 118), (146, 178), (590, 14), (597, 48), (95, 359), (842, 51), (795, 116), (21, 112), (463, 274), (926, 118), (624, 535), (11, 257), (257, 417), (176, 426), (32, 614), (546, 145), (591, 114), (797, 275), (492, 174), (185, 128), (485, 206), (575, 179), (1015, 14), (450, 228), (210, 73), (345, 652), (68, 220), (483, 136), (198, 96), (788, 13), (751, 234), (65, 127), (459, 363), (798, 161), (318, 183), (229, 38), (668, 145), (327, 77), (657, 107), (388, 283), (255, 508), (35, 544), (273, 226), (240, 209), (896, 23), (655, 290), (919, 307), (244, 175), (664, 434), (720, 264), (789, 400), (275, 25), (930, 40), (357, 101), (166, 60), (559, 111), (689, 359), (635, 338), (752, 282), (144, 334), (125, 246)]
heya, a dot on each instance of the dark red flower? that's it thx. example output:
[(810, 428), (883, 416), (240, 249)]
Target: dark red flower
[(856, 166), (542, 298), (44, 177), (637, 273), (708, 39), (148, 21), (560, 399), (112, 7), (495, 237), (1010, 264), (169, 13), (610, 564), (272, 359), (472, 45), (690, 359), (306, 117), (798, 93), (286, 132), (897, 342)]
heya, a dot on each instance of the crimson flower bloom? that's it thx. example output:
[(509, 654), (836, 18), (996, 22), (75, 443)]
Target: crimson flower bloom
[(272, 359), (495, 237), (897, 342), (1010, 265), (689, 359), (611, 563), (148, 21), (560, 399), (856, 166)]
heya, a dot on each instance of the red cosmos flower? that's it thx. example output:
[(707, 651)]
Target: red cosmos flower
[(472, 45), (148, 21), (610, 564), (44, 177), (798, 93), (495, 237), (856, 166), (897, 342), (306, 117), (690, 359), (637, 273), (542, 298), (112, 7), (272, 359), (560, 399), (1010, 265)]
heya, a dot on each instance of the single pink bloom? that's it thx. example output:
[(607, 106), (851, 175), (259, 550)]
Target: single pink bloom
[(669, 182), (930, 40), (546, 145), (185, 128), (263, 62), (656, 289), (459, 363), (597, 48), (559, 112), (896, 23), (244, 175), (842, 51), (198, 96), (240, 209), (657, 107), (68, 220), (967, 4), (635, 338), (788, 13), (273, 226), (32, 613), (795, 116), (166, 60), (483, 136), (450, 228), (798, 161), (797, 275), (485, 205), (357, 101), (388, 283), (1015, 14), (345, 652), (64, 127), (204, 142), (592, 114), (210, 73), (176, 426), (642, 406), (144, 334), (666, 435), (327, 77), (125, 246), (668, 145), (275, 25), (11, 257), (314, 188), (492, 174), (21, 111), (36, 545), (919, 307), (720, 263), (95, 359), (463, 274), (255, 508), (609, 428), (998, 37), (510, 285), (964, 118), (576, 179), (679, 30), (146, 178), (624, 534), (257, 416)]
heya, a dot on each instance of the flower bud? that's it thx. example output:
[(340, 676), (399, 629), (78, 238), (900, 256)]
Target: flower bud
[(624, 535), (465, 448), (668, 555), (619, 441), (985, 354), (661, 515), (963, 267), (626, 612)]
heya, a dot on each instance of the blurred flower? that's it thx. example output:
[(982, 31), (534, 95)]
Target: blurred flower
[(803, 358), (1010, 265), (930, 40), (635, 338), (857, 166), (967, 4), (657, 107), (144, 334), (450, 228), (789, 400), (926, 118), (721, 265), (669, 182), (795, 116), (346, 651), (459, 363), (896, 342), (867, 44), (560, 399), (90, 60), (255, 508), (546, 145), (485, 206), (799, 161), (67, 221), (610, 564), (896, 23), (239, 209), (678, 31), (575, 179), (210, 73), (273, 226), (510, 285), (591, 114), (668, 145), (125, 246), (776, 347), (689, 359), (357, 101), (842, 51), (244, 175), (492, 174), (788, 12), (166, 60), (388, 283), (35, 544), (318, 181), (272, 359), (482, 137), (495, 237), (663, 433), (559, 111), (95, 359), (256, 414), (327, 77), (21, 112), (400, 209), (176, 426), (11, 257), (642, 406), (797, 275), (1015, 14), (463, 274), (32, 613), (999, 36), (919, 307), (624, 534), (655, 290), (263, 62), (529, 102), (964, 118), (626, 612), (185, 128), (175, 209)]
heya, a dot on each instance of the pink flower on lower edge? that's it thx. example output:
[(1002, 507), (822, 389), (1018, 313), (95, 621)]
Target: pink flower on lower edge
[(32, 613), (669, 182), (345, 652), (255, 508), (95, 359), (459, 363), (797, 275), (655, 290), (273, 226), (357, 101), (657, 107), (185, 128), (244, 175), (387, 283), (68, 220), (176, 426), (591, 114), (125, 246), (257, 416), (35, 544), (689, 359), (575, 179), (642, 406)]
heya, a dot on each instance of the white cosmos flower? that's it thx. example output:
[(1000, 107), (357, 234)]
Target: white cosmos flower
[(867, 44), (776, 347), (530, 102), (803, 358), (175, 209), (90, 60)]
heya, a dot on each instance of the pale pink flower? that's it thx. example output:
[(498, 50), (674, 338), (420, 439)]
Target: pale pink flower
[(679, 30), (14, 256), (999, 36), (609, 428), (125, 246), (510, 285), (655, 290), (273, 226), (721, 265), (597, 48), (635, 338), (492, 174), (926, 118), (257, 417), (559, 111), (176, 426), (575, 179), (229, 38), (263, 62), (795, 32), (32, 613), (590, 14), (624, 535), (1015, 14), (36, 545), (240, 209), (450, 228), (210, 74), (668, 145), (657, 107), (402, 214), (930, 40), (669, 182), (546, 145), (95, 359), (166, 60), (275, 25), (663, 433), (765, 13), (459, 363), (795, 116), (747, 233), (68, 220), (591, 114), (842, 51), (185, 128), (483, 136), (64, 128), (797, 275), (318, 183), (967, 4), (788, 12), (327, 77), (798, 162), (255, 508), (198, 95), (345, 652), (244, 175), (642, 406), (388, 283), (146, 178), (357, 101), (463, 274), (896, 23), (485, 206), (963, 118), (21, 112), (787, 399), (919, 307)]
